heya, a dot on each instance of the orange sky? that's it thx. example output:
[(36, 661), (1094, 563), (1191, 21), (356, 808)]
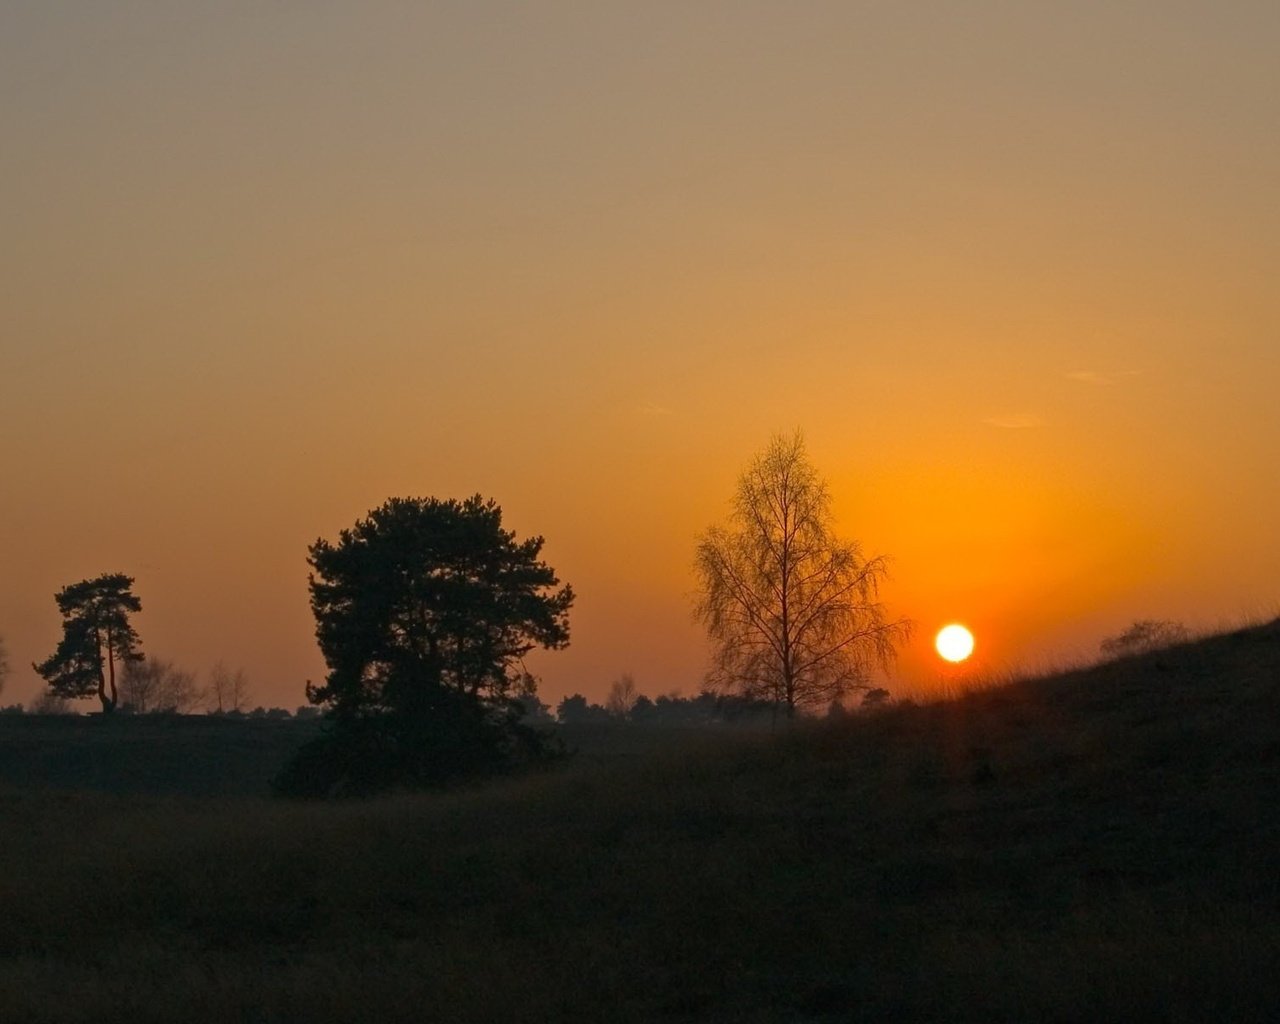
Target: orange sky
[(1009, 265)]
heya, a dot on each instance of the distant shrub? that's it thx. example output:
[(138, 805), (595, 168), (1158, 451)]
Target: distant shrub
[(369, 755), (267, 713), (642, 711), (49, 703), (575, 710), (668, 710), (1145, 635)]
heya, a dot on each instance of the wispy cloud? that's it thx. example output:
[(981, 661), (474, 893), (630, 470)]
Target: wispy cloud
[(1105, 377), (1015, 421), (653, 409)]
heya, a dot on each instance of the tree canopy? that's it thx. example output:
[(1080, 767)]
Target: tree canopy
[(792, 610), (424, 611), (96, 636)]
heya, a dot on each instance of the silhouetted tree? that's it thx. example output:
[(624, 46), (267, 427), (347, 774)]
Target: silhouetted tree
[(792, 610), (424, 611), (622, 695), (96, 635), (139, 686), (1145, 635), (4, 663), (672, 709), (741, 708), (532, 708), (642, 711), (575, 710), (156, 686), (228, 690)]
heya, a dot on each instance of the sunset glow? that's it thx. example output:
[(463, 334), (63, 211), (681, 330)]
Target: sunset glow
[(954, 643), (1009, 267)]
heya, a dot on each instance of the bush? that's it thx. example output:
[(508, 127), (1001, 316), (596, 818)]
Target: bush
[(1145, 635), (378, 752)]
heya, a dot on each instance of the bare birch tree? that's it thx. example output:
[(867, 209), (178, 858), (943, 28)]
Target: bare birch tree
[(793, 611), (622, 696), (228, 689), (156, 686)]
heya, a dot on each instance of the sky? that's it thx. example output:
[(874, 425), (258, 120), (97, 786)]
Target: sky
[(1010, 266)]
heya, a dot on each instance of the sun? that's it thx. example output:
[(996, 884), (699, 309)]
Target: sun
[(954, 642)]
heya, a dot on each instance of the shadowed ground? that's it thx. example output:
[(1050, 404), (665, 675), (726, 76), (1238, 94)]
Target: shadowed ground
[(1097, 845), (153, 755)]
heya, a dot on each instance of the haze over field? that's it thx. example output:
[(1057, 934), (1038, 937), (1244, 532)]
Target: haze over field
[(1009, 265)]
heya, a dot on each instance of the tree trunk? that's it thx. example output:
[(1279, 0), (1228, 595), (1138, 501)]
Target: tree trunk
[(108, 701)]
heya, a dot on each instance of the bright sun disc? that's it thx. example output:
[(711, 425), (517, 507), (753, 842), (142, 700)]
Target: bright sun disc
[(955, 643)]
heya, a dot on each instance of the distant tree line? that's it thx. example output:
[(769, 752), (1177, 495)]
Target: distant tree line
[(706, 708), (49, 704), (625, 704)]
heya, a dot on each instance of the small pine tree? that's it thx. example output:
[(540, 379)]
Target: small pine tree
[(96, 637)]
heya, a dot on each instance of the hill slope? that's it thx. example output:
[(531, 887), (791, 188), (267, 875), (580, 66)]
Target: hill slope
[(1096, 845)]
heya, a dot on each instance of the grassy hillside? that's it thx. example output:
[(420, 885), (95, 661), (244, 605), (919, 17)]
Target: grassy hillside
[(1098, 845)]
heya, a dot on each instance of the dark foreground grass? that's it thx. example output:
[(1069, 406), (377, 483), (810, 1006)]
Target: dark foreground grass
[(149, 755), (1095, 846)]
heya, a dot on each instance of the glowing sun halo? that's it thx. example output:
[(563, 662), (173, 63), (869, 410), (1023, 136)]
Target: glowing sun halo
[(954, 642)]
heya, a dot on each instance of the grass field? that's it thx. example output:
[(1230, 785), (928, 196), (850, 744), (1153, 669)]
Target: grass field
[(1101, 845), (148, 755)]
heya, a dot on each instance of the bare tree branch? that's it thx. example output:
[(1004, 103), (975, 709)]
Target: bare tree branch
[(793, 611)]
